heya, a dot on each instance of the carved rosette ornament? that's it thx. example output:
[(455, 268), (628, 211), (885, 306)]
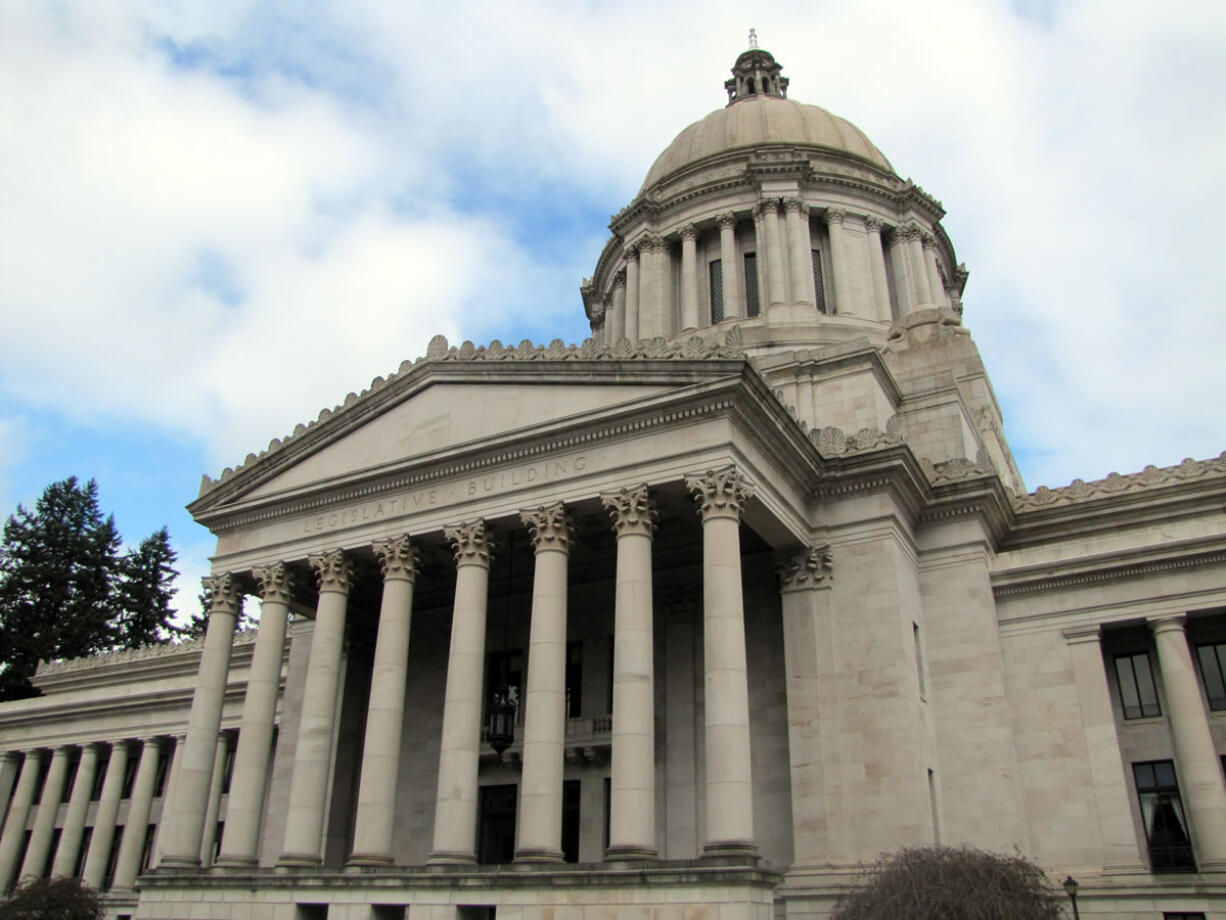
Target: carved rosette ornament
[(807, 570), (726, 221), (333, 570), (398, 558), (633, 510), (550, 527), (472, 542), (720, 493), (689, 232), (221, 592), (275, 582), (797, 205), (872, 225), (835, 216)]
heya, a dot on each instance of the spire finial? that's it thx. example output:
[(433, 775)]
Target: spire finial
[(753, 38)]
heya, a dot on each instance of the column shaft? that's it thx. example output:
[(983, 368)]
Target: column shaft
[(539, 826), (372, 837), (18, 814), (919, 274), (876, 264), (208, 839), (74, 821), (240, 842), (936, 290), (615, 322), (900, 262), (721, 496), (39, 847), (104, 817), (728, 266), (132, 844), (304, 819), (455, 814), (689, 278), (191, 786), (800, 245), (632, 294), (632, 814), (776, 291), (838, 264), (1196, 759)]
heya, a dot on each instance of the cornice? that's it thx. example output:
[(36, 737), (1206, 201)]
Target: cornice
[(1151, 478)]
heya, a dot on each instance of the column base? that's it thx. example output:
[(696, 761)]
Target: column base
[(446, 858), (729, 848), (630, 852), (299, 859), (535, 855), (369, 859), (225, 861), (180, 862)]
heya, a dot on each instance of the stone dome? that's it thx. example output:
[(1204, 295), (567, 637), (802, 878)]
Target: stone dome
[(759, 118)]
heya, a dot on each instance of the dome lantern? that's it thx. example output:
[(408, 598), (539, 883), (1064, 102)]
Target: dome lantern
[(756, 73)]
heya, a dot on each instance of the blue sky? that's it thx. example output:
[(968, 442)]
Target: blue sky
[(216, 219)]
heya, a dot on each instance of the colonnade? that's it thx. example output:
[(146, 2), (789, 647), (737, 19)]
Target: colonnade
[(721, 496), (637, 303)]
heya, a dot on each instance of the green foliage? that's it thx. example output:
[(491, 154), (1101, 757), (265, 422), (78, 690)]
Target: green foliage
[(952, 883), (52, 899), (65, 592)]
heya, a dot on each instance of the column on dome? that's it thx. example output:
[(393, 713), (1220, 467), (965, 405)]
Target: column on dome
[(631, 324), (208, 840), (105, 815), (615, 319), (597, 320), (760, 242), (721, 496), (132, 843), (39, 847), (900, 261), (632, 815), (728, 266), (376, 813), (915, 261), (936, 289), (539, 824), (1196, 760), (1111, 796), (843, 301), (240, 840), (455, 812), (14, 832), (190, 798), (776, 287), (804, 588), (876, 265), (74, 820), (800, 244), (304, 818), (653, 316), (689, 277)]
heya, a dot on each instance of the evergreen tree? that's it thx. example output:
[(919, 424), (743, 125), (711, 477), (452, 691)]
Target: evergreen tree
[(58, 565), (144, 593)]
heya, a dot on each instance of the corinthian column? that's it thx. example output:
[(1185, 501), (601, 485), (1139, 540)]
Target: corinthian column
[(39, 846), (689, 277), (132, 844), (876, 264), (615, 322), (240, 842), (915, 259), (539, 830), (632, 814), (721, 496), (18, 814), (74, 821), (727, 265), (776, 286), (304, 819), (838, 259), (191, 788), (104, 817), (1196, 759), (455, 812), (632, 293), (372, 836), (900, 260), (800, 244), (936, 289)]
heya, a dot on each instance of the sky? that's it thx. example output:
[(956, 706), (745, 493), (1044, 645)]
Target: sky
[(216, 219)]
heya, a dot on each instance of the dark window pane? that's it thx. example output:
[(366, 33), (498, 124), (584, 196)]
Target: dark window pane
[(715, 272), (1212, 668), (752, 307), (496, 825), (570, 820), (1135, 678), (817, 281), (1166, 828)]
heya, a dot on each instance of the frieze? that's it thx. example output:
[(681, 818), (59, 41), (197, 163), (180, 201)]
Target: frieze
[(654, 349), (833, 442), (1114, 484), (958, 469)]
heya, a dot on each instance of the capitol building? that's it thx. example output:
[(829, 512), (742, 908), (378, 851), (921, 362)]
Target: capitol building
[(689, 621)]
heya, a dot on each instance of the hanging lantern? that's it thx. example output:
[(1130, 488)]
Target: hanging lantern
[(500, 720)]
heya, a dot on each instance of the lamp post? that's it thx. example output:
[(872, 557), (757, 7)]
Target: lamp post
[(1071, 887)]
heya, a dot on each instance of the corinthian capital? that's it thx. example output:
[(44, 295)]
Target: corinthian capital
[(808, 569), (633, 510), (720, 493), (222, 593), (835, 216), (906, 232), (927, 239), (472, 543), (726, 221), (872, 225), (550, 526), (689, 232), (398, 558), (769, 206), (333, 570), (631, 252), (619, 279), (275, 582), (797, 205)]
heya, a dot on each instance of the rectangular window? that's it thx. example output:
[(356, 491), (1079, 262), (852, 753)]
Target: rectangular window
[(752, 307), (715, 271), (820, 290), (1166, 828), (574, 679), (1138, 695), (570, 820), (496, 825), (1213, 671)]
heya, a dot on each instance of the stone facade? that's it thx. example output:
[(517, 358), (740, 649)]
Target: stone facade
[(751, 575)]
